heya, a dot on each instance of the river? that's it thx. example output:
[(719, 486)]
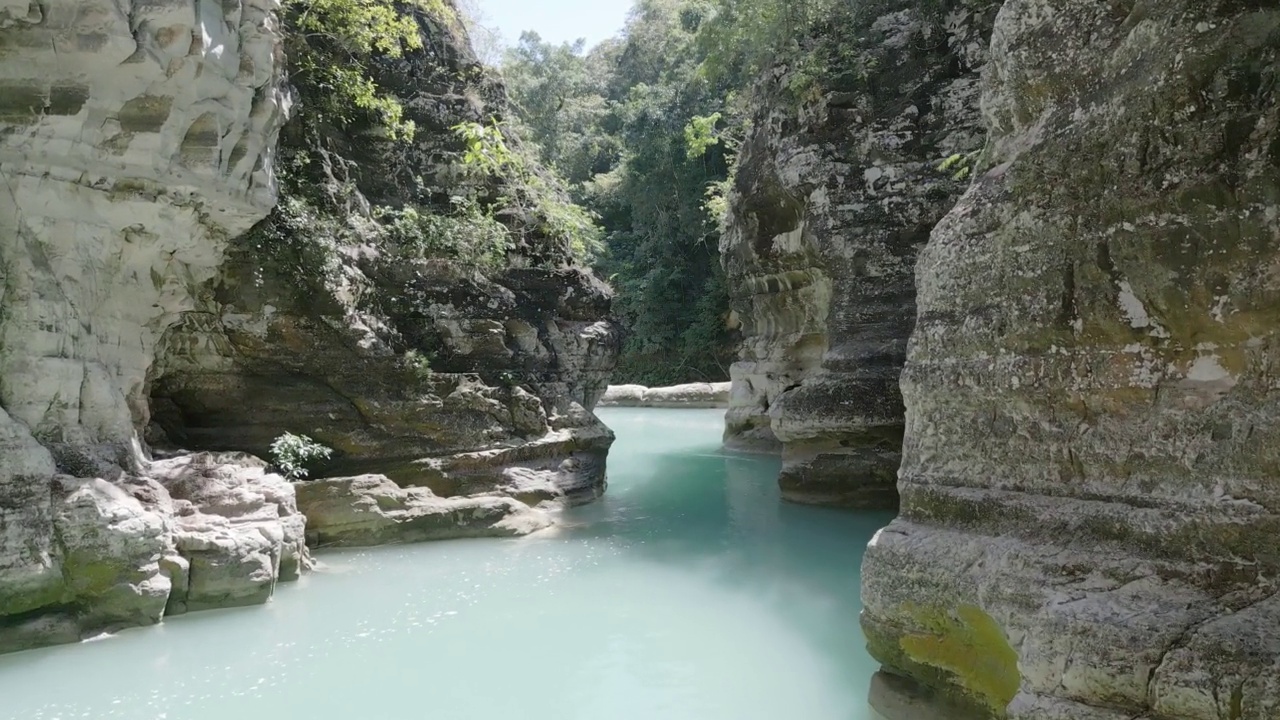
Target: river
[(690, 592)]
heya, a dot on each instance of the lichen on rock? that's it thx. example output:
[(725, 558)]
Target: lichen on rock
[(1090, 446)]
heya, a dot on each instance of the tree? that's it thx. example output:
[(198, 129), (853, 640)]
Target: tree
[(613, 122), (645, 129)]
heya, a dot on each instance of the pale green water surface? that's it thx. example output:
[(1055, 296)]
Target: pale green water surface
[(689, 593)]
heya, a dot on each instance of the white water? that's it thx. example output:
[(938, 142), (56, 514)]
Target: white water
[(689, 593)]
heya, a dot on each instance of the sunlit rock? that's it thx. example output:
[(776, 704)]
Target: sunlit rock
[(1089, 521), (135, 140), (373, 510), (839, 182), (692, 395)]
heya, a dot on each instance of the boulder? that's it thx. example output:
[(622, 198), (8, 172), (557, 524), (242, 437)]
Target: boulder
[(373, 510), (237, 530)]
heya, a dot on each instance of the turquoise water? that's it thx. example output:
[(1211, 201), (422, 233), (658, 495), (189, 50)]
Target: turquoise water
[(689, 593)]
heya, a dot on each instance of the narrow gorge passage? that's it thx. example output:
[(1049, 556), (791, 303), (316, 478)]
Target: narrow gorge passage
[(688, 592)]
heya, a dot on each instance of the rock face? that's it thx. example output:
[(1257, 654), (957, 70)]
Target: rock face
[(693, 395), (236, 526), (373, 510), (422, 369), (836, 192), (138, 316), (1090, 520), (135, 139)]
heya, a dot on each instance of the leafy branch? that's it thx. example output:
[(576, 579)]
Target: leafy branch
[(332, 46), (488, 154)]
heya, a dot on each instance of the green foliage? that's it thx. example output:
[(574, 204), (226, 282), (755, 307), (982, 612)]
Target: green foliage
[(717, 203), (487, 153), (560, 95), (740, 39), (960, 165), (331, 45), (567, 220), (700, 134), (538, 194), (293, 453), (301, 241), (469, 236), (645, 134), (418, 364), (473, 197)]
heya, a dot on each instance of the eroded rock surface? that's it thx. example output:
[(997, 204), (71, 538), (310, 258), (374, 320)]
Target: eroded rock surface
[(836, 192), (135, 139), (373, 510), (186, 533), (692, 395), (424, 369), (237, 529), (1090, 524)]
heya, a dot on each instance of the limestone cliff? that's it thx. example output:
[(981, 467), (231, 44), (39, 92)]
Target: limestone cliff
[(145, 316), (135, 140), (462, 378), (837, 188), (1090, 505)]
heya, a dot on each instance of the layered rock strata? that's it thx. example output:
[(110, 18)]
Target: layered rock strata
[(137, 147), (692, 395), (135, 140), (1090, 522), (373, 510), (261, 359), (464, 379), (837, 189)]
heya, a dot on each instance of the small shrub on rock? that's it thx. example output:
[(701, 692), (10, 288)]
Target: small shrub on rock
[(292, 453)]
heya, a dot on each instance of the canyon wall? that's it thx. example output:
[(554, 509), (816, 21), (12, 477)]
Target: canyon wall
[(837, 188), (152, 328), (135, 140), (460, 378), (1089, 525)]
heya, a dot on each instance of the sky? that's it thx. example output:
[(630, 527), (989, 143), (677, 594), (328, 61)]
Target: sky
[(555, 20)]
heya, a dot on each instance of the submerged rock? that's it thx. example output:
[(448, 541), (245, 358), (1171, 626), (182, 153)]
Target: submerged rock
[(692, 395), (373, 510), (837, 188), (1090, 508)]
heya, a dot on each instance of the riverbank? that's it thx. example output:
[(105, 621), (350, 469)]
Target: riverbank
[(633, 608)]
